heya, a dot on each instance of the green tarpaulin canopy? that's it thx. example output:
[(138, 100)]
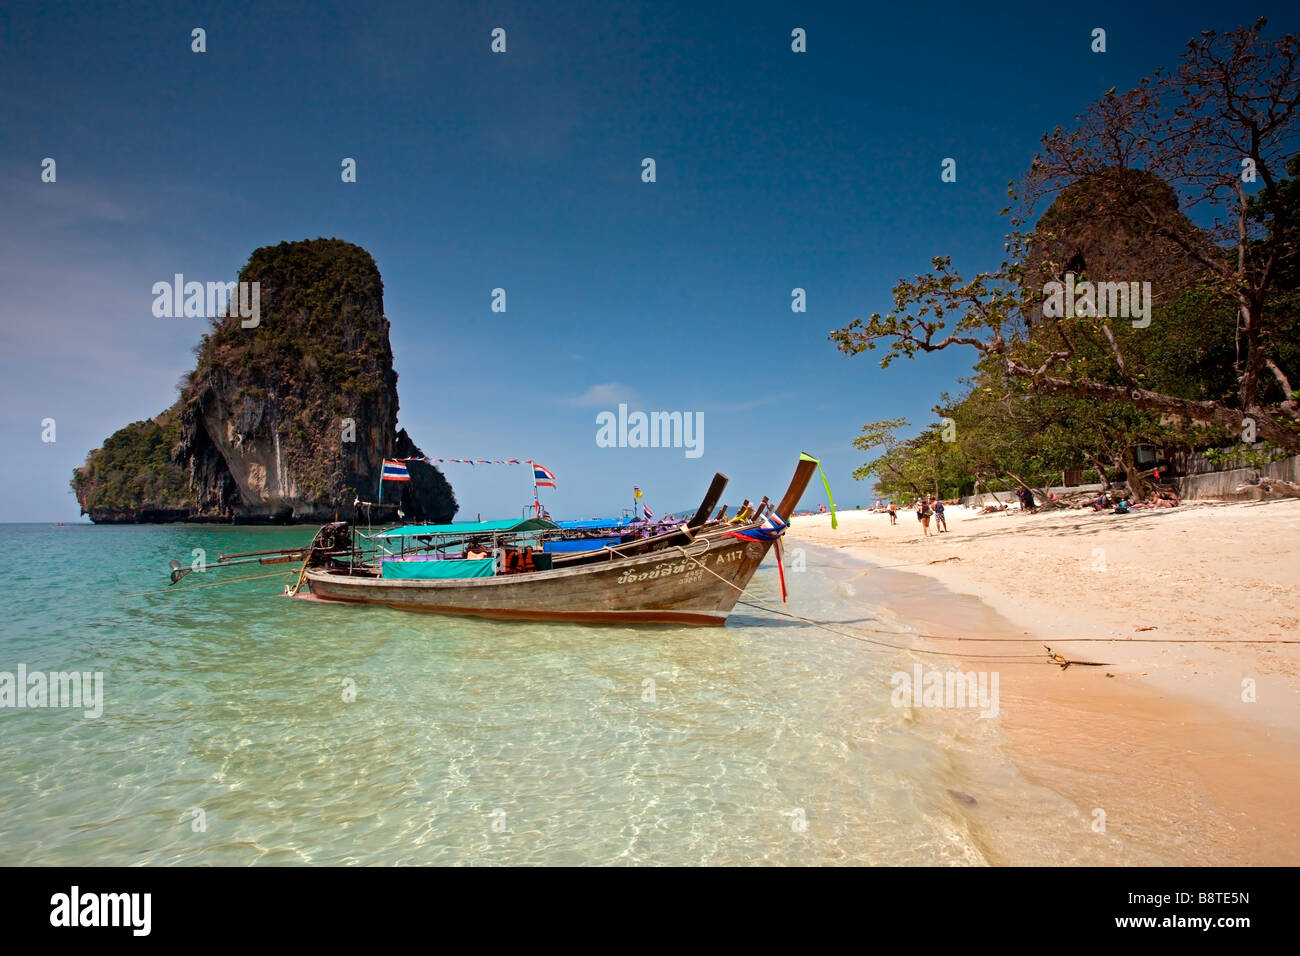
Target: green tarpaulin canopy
[(463, 568)]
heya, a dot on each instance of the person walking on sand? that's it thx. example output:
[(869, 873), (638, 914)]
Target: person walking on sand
[(940, 523), (923, 513), (893, 513)]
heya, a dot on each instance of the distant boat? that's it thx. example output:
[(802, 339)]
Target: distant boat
[(538, 570)]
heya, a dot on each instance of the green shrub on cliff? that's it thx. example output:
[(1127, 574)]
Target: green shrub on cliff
[(134, 469), (312, 293)]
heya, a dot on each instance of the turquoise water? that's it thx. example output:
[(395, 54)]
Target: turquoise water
[(468, 742)]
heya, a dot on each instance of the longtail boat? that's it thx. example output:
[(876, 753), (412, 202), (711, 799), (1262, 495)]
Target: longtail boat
[(693, 574), (535, 569)]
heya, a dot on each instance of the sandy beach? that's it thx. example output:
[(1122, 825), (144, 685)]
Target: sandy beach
[(1188, 735)]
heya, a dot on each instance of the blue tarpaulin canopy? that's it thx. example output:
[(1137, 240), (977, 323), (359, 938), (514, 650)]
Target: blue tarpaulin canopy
[(469, 528), (595, 523), (584, 544)]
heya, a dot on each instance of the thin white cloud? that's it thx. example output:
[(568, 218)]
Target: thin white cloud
[(59, 202), (604, 394)]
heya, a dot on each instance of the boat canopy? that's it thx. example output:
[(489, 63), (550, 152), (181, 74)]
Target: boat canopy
[(581, 544), (434, 570), (469, 528), (595, 523)]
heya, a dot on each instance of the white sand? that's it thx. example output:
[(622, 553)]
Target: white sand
[(1161, 734)]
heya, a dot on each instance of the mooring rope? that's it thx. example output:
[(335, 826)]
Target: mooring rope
[(195, 587), (1017, 658), (826, 626)]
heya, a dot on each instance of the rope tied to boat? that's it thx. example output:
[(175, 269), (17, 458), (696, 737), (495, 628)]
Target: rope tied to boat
[(1055, 660), (211, 584)]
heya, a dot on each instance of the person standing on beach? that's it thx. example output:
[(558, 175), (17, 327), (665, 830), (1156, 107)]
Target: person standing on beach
[(940, 523), (923, 512), (893, 513)]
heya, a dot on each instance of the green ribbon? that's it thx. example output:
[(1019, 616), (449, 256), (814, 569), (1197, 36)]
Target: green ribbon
[(804, 456)]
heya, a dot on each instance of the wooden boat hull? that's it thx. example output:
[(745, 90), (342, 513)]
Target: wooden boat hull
[(695, 584)]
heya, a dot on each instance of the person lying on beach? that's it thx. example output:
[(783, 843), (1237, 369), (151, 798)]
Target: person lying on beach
[(993, 509), (1153, 501)]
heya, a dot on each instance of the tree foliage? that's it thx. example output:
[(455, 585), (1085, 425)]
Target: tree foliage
[(1212, 141), (135, 469)]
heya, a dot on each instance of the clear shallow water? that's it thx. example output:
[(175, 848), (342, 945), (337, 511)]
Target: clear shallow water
[(469, 742)]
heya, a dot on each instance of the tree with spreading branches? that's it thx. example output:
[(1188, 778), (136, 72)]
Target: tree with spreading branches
[(1223, 121)]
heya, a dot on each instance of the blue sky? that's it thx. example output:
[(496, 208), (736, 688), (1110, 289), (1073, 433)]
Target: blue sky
[(522, 171)]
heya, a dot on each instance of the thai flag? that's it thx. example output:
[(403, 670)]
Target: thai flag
[(542, 477), (395, 470), (648, 513)]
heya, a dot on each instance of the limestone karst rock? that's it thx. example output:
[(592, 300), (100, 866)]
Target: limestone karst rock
[(261, 430)]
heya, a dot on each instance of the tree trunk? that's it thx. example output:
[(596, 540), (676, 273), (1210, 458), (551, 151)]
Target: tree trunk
[(1101, 473), (1043, 499), (1138, 487)]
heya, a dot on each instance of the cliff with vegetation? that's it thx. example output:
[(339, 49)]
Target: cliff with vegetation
[(286, 421)]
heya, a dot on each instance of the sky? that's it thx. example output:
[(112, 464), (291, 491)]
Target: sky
[(523, 170)]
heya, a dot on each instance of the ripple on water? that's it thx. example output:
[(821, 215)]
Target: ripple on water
[(468, 742)]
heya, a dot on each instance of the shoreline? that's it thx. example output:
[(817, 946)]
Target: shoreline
[(1160, 737)]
